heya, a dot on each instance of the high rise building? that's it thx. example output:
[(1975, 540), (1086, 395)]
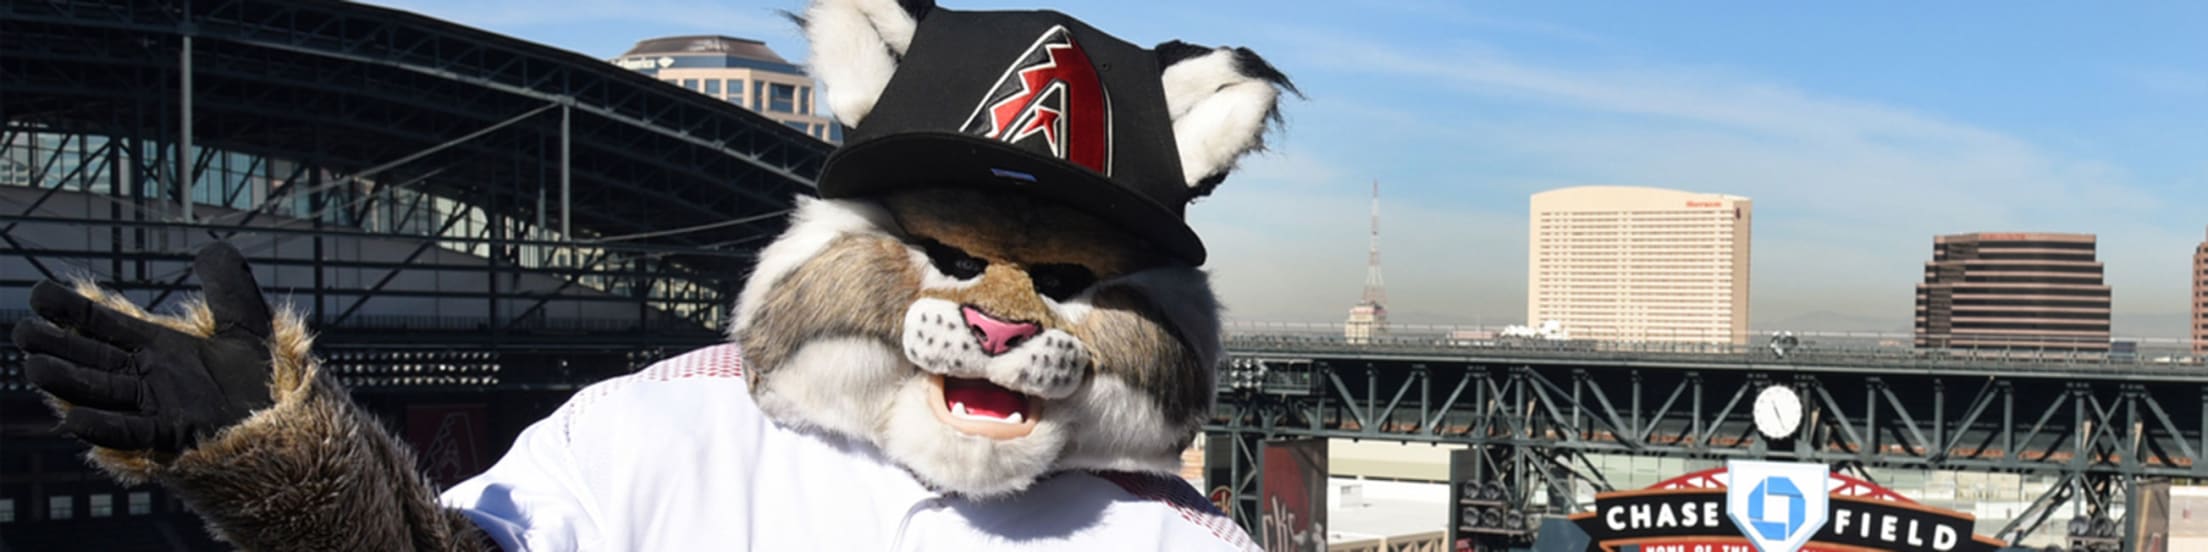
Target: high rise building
[(2200, 299), (1640, 264), (2013, 290), (741, 71), (1369, 318)]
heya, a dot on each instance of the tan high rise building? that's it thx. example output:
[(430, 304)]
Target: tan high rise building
[(741, 71), (2013, 290), (1640, 264), (2200, 299)]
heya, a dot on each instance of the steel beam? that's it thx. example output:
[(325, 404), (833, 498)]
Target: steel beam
[(2098, 435)]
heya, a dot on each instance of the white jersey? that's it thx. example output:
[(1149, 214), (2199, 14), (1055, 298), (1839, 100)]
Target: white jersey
[(677, 457)]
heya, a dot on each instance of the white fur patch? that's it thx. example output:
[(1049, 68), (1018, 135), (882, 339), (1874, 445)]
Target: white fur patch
[(814, 224), (1191, 80), (974, 466), (1050, 365), (1218, 112), (1119, 429), (855, 44), (936, 340), (836, 384), (892, 21), (1074, 308)]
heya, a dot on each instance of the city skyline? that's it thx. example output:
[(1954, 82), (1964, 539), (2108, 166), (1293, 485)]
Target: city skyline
[(1955, 119)]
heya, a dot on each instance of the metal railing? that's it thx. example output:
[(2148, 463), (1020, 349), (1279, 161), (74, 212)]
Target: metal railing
[(1806, 355)]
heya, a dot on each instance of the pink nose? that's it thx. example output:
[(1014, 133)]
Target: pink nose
[(997, 336)]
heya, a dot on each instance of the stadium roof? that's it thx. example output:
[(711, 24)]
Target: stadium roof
[(431, 105), (705, 45)]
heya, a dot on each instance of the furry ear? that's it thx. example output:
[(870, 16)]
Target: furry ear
[(1221, 100), (856, 45)]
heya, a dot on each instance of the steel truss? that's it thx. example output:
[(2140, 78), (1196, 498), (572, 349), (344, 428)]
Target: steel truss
[(1537, 424), (296, 128), (585, 149), (303, 212)]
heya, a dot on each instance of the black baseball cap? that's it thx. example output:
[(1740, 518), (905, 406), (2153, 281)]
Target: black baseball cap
[(1030, 101)]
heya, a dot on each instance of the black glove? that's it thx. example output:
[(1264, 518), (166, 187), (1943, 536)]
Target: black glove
[(137, 385)]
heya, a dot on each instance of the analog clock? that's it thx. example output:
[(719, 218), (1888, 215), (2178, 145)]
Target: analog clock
[(1778, 412)]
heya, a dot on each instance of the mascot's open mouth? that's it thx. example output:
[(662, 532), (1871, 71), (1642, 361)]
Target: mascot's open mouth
[(983, 409)]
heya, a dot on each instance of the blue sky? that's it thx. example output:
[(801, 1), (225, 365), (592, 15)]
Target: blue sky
[(1861, 129)]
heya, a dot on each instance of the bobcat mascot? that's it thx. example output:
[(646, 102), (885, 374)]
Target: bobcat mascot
[(987, 333)]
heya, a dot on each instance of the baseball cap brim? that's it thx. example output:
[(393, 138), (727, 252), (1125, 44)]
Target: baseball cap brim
[(914, 160)]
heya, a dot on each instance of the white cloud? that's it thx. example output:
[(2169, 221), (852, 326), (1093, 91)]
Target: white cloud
[(1848, 191), (2169, 81)]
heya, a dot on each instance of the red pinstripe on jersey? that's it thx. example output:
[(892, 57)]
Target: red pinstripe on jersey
[(1183, 499), (719, 361)]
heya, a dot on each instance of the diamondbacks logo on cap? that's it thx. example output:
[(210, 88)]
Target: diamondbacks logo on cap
[(1051, 97), (1777, 505)]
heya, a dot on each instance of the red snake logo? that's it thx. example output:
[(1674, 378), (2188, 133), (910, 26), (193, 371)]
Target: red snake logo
[(1051, 93)]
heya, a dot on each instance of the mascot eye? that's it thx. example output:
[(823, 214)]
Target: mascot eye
[(953, 262), (1060, 281)]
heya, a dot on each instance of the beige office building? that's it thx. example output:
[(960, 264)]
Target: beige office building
[(1621, 263), (741, 71)]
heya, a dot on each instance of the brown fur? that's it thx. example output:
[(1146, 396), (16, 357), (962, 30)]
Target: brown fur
[(999, 228), (1128, 343), (312, 472), (194, 319), (872, 280)]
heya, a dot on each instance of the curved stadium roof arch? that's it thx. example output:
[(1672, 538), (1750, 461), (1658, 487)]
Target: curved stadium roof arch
[(363, 93)]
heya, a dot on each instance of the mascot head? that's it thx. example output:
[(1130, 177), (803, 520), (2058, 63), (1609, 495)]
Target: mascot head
[(997, 282)]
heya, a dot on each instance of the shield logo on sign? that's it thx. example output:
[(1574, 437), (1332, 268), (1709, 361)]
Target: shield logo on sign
[(1779, 506)]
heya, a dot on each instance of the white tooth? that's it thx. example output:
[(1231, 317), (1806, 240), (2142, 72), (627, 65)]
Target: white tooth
[(1014, 419), (959, 408)]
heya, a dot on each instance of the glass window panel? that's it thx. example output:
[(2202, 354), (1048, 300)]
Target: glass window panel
[(782, 98)]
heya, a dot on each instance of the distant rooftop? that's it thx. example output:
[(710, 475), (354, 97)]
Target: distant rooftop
[(705, 45), (2015, 236), (1383, 509), (1637, 191)]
